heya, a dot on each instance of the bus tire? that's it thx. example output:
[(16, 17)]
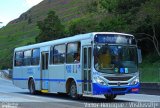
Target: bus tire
[(73, 90), (32, 87), (110, 97)]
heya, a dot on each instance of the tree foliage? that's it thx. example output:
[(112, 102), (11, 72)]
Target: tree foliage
[(148, 25), (50, 29), (82, 25), (139, 17)]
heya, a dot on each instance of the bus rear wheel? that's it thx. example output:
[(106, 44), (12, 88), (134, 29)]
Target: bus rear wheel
[(32, 87), (73, 90), (110, 97)]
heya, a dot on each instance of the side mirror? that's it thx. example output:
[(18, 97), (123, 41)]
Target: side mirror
[(139, 56)]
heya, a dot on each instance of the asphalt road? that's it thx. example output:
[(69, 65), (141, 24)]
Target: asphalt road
[(13, 97)]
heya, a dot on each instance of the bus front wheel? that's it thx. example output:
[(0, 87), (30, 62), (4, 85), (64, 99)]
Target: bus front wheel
[(110, 97), (32, 87), (73, 90)]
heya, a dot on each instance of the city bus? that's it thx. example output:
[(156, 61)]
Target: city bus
[(98, 63)]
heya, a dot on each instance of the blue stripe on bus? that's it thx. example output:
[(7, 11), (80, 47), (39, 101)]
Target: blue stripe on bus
[(90, 81), (20, 78), (62, 80), (54, 80), (80, 80)]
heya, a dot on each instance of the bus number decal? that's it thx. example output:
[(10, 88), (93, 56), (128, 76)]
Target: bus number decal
[(78, 67), (69, 68)]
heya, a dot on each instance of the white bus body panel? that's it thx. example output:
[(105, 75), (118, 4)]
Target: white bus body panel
[(56, 76)]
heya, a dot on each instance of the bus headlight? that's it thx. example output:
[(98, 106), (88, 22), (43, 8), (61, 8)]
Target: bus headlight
[(135, 81), (100, 80)]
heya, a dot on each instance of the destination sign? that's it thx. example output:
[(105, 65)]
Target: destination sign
[(114, 39)]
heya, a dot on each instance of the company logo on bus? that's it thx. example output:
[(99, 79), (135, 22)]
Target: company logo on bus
[(118, 83)]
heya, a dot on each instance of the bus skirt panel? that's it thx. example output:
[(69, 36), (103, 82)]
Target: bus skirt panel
[(118, 90)]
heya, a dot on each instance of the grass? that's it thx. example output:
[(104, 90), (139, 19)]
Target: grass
[(13, 36), (150, 68), (151, 74)]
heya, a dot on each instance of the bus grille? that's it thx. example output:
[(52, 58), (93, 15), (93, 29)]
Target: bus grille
[(118, 89), (116, 84), (119, 78)]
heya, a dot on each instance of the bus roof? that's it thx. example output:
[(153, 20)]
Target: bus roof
[(65, 40), (111, 33)]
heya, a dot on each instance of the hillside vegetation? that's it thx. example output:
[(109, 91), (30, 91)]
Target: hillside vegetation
[(23, 30)]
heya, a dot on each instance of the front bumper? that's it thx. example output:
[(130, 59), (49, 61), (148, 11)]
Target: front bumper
[(118, 90)]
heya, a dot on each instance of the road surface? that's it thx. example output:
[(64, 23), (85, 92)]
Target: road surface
[(14, 97)]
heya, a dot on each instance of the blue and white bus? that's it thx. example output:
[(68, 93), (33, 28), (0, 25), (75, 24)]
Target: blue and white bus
[(98, 63)]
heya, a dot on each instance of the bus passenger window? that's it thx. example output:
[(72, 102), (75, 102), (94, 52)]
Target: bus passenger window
[(77, 58), (73, 52), (51, 55), (59, 54), (18, 59), (27, 58), (35, 56)]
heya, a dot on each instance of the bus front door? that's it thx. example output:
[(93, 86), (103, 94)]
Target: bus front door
[(87, 84), (44, 72)]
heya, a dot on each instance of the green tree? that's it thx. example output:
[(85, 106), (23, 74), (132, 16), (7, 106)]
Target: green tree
[(148, 25), (121, 6), (112, 24), (109, 5), (139, 17), (50, 29), (82, 25)]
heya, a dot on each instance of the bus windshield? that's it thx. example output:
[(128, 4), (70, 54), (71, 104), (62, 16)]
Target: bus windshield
[(115, 59)]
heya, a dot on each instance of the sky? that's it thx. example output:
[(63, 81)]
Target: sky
[(12, 9)]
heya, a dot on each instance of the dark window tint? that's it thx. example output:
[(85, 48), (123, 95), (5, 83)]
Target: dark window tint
[(73, 52), (19, 55), (59, 54), (44, 61), (51, 55), (27, 58), (35, 56), (18, 59)]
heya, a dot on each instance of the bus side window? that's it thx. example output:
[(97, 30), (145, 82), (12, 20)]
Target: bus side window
[(51, 55), (73, 52), (59, 52), (35, 56), (27, 58), (18, 59)]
